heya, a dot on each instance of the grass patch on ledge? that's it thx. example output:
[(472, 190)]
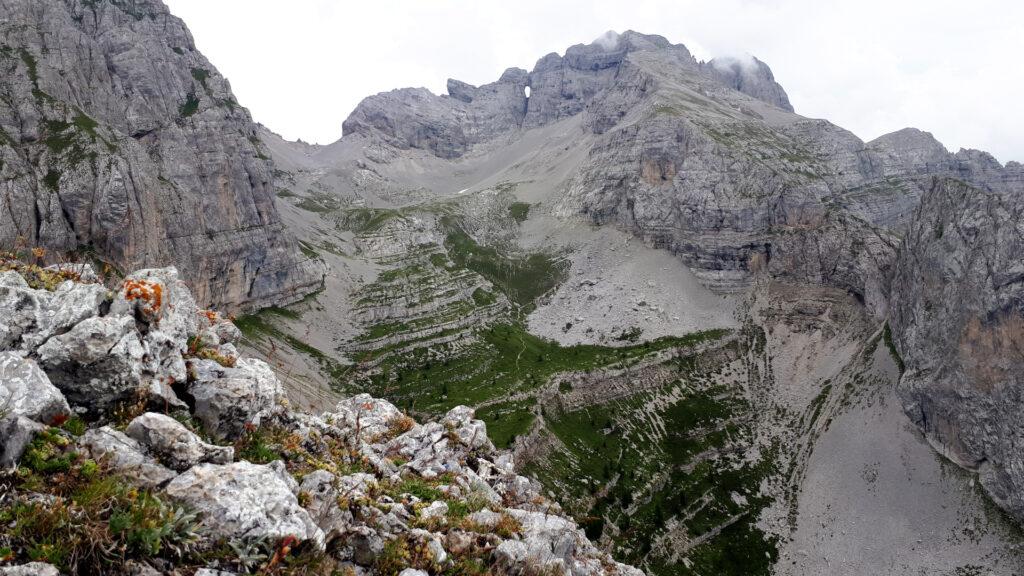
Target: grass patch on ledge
[(891, 345), (260, 325), (366, 220), (523, 279), (505, 360), (519, 211), (674, 460)]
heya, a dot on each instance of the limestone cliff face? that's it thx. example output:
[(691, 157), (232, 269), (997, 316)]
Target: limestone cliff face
[(958, 320), (118, 137), (704, 159)]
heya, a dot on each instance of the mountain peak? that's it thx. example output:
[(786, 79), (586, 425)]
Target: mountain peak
[(750, 76)]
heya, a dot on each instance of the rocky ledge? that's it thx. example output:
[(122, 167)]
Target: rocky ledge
[(136, 440)]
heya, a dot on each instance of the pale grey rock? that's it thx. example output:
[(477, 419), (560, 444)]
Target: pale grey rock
[(366, 545), (226, 399), (436, 509), (554, 543), (324, 491), (211, 572), (467, 430), (31, 569), (159, 298), (116, 133), (96, 363), (30, 317), (98, 347), (555, 535), (368, 418), (356, 485), (957, 318), (25, 390), (173, 445), (412, 572), (124, 456), (511, 554), (486, 519), (437, 448), (427, 448), (245, 500), (16, 433), (475, 485), (437, 551)]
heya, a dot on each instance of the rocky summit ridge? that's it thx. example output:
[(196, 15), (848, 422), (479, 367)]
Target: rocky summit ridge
[(140, 399)]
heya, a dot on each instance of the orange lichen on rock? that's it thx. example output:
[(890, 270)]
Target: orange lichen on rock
[(150, 294)]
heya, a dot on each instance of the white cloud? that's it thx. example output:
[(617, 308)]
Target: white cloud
[(872, 66)]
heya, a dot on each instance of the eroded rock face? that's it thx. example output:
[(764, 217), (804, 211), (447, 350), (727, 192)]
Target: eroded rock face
[(958, 320), (117, 134)]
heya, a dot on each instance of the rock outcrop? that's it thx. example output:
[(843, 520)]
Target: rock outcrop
[(244, 500), (957, 319), (119, 139), (362, 488), (25, 390)]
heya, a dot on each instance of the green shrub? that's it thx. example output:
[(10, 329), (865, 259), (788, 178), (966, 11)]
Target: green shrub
[(519, 211), (191, 105)]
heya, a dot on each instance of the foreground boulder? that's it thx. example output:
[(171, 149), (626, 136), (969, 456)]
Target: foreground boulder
[(437, 448), (25, 390), (371, 418), (31, 569), (98, 362), (29, 317), (100, 346), (175, 446), (124, 456), (245, 500), (228, 398)]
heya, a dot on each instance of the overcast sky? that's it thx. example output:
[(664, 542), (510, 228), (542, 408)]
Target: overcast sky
[(952, 68)]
